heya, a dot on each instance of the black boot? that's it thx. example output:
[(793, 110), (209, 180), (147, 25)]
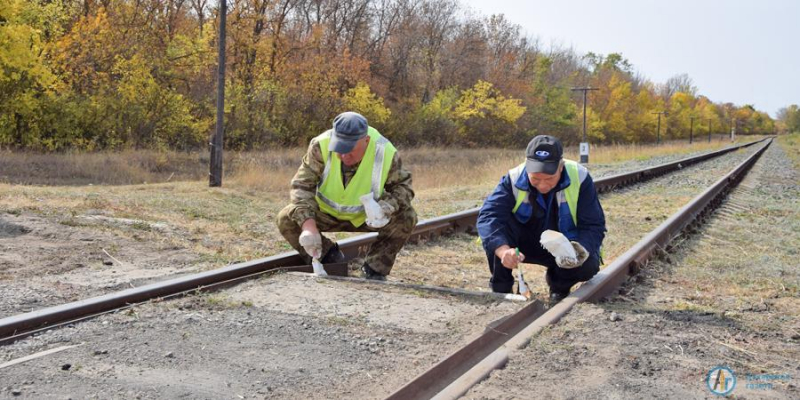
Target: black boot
[(333, 256), (370, 273), (555, 297)]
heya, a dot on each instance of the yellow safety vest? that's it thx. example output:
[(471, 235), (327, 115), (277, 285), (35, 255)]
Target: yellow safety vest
[(567, 197), (343, 203)]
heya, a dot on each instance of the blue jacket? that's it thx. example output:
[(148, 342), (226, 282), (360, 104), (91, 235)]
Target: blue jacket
[(496, 214)]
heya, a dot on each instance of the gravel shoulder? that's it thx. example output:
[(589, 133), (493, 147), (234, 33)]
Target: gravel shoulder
[(282, 337), (726, 296)]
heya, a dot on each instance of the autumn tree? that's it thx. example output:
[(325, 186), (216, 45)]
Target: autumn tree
[(107, 74), (789, 118), (27, 84)]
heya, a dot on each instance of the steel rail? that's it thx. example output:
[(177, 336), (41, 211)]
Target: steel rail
[(439, 382), (15, 327)]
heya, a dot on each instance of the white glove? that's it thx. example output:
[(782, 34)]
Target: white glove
[(312, 244), (573, 262), (319, 270), (568, 254), (376, 218)]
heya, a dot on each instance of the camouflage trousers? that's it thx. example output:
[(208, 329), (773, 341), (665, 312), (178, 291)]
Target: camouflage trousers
[(381, 253)]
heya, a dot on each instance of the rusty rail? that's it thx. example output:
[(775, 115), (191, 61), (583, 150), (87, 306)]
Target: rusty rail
[(22, 325), (441, 382)]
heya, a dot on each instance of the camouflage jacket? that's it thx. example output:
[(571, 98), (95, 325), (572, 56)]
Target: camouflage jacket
[(397, 193)]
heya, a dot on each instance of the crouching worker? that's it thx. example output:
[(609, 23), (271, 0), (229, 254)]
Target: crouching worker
[(351, 179), (546, 192)]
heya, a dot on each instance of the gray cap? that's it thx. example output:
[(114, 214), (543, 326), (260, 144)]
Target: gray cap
[(348, 128), (543, 155)]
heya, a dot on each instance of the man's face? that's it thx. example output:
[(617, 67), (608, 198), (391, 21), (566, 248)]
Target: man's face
[(355, 155), (544, 183)]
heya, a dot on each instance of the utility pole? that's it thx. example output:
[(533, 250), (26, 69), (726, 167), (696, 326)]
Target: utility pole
[(584, 149), (215, 163), (691, 129), (709, 130), (727, 128), (658, 131)]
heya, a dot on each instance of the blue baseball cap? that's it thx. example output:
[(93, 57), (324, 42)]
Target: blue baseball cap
[(348, 128)]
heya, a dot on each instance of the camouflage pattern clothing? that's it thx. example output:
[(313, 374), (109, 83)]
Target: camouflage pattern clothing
[(395, 201)]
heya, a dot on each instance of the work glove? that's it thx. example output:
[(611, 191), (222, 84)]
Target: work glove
[(376, 216), (573, 262), (561, 248), (312, 244), (319, 270)]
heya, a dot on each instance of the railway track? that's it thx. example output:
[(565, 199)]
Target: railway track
[(456, 374), (19, 326)]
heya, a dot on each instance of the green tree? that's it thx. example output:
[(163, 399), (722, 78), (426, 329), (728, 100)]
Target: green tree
[(550, 111)]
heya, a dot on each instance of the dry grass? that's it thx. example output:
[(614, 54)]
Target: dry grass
[(122, 168), (791, 144), (743, 265), (272, 170), (624, 152)]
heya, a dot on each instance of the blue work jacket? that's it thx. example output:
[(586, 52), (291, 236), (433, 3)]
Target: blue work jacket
[(497, 212)]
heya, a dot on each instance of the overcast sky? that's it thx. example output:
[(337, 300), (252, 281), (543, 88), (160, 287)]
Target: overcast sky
[(744, 52)]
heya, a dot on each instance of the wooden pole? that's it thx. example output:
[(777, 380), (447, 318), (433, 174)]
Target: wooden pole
[(215, 173)]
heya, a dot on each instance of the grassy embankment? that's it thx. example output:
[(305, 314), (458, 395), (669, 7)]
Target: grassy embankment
[(740, 271), (791, 145)]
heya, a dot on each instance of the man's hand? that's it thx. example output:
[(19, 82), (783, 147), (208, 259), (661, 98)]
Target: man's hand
[(376, 217), (569, 262), (509, 257), (311, 240)]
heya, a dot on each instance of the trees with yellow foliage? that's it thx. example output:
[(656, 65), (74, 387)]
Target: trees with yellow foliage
[(681, 110), (361, 100), (129, 73), (27, 84), (789, 119), (483, 115)]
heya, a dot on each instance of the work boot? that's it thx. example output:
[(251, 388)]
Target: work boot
[(555, 297), (370, 273), (333, 256)]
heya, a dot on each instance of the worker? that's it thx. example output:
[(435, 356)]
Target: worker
[(351, 179), (546, 192)]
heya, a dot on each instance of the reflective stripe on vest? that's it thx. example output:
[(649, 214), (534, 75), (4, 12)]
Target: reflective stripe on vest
[(344, 203), (577, 174)]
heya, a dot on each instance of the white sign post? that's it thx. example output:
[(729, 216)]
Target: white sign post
[(584, 150)]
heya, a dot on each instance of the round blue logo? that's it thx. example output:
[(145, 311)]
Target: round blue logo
[(721, 380), (542, 153)]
